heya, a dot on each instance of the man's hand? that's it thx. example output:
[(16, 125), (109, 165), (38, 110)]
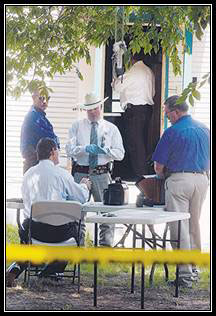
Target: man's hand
[(159, 169), (87, 182), (94, 149)]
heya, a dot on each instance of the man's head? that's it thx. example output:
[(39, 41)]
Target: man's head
[(175, 111), (137, 56), (39, 101), (47, 149), (93, 105)]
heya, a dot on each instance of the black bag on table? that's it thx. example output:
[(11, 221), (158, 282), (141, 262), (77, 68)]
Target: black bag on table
[(116, 194)]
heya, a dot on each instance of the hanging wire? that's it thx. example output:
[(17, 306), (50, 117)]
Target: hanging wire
[(119, 47)]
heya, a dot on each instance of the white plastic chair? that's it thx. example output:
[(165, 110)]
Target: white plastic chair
[(56, 213)]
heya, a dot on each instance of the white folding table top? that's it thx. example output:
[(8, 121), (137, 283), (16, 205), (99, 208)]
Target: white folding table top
[(142, 216), (99, 206), (96, 207)]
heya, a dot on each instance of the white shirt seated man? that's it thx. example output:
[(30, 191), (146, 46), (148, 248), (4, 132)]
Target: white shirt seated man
[(47, 181)]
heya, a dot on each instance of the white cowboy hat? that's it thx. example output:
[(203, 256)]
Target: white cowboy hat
[(92, 101)]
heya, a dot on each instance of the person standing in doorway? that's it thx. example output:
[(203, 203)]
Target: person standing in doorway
[(182, 156), (137, 89), (35, 126), (93, 145)]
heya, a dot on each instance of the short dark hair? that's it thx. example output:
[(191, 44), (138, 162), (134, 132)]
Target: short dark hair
[(171, 104), (44, 148), (138, 56)]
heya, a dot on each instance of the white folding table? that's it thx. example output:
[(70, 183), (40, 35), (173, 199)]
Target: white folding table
[(129, 215), (144, 217)]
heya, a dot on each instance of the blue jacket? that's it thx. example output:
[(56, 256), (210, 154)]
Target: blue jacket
[(35, 127)]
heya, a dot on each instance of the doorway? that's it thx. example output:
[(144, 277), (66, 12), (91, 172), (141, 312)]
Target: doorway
[(113, 112)]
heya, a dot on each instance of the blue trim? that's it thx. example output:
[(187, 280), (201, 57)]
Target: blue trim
[(166, 87), (189, 40), (187, 66)]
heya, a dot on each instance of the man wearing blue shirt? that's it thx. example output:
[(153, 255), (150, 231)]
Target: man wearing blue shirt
[(35, 127), (182, 156)]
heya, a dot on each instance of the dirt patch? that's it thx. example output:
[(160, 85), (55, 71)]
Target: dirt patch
[(113, 294)]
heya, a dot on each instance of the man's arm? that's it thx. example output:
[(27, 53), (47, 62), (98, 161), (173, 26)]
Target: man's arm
[(159, 169), (71, 148)]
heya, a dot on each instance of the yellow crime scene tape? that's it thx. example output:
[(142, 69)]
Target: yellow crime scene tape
[(38, 254)]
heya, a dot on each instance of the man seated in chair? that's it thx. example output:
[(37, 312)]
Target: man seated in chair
[(47, 181)]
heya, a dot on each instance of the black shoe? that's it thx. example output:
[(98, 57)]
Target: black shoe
[(181, 282), (195, 274)]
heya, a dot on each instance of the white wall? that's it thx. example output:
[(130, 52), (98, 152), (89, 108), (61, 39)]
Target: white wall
[(200, 66)]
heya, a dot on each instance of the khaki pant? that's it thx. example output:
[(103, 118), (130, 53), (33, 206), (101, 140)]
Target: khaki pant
[(99, 183), (186, 192)]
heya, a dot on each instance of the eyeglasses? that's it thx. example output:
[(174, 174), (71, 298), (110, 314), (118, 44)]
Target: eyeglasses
[(43, 98), (169, 112)]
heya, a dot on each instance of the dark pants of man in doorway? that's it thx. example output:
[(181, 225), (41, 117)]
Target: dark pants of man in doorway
[(136, 120)]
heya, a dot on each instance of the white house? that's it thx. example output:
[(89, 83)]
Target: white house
[(69, 90)]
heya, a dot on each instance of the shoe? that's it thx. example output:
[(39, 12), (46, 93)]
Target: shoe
[(195, 274), (10, 278), (181, 282)]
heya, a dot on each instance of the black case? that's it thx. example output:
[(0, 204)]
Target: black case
[(116, 194)]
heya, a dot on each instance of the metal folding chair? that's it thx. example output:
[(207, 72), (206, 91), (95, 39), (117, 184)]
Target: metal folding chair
[(55, 213)]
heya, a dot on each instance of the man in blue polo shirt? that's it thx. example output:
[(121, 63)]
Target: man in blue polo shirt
[(35, 127), (182, 156)]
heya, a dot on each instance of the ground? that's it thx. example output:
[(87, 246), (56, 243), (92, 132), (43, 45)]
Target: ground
[(113, 294)]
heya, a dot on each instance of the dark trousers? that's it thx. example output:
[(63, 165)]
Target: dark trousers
[(136, 120), (46, 233)]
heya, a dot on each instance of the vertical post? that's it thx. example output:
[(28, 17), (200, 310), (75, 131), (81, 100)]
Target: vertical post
[(133, 264), (177, 266), (95, 266), (143, 270)]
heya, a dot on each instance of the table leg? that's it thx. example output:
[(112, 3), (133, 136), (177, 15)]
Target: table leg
[(18, 218), (133, 264), (143, 270), (177, 266), (95, 266)]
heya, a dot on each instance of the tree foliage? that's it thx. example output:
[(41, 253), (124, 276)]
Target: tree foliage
[(49, 39), (192, 90)]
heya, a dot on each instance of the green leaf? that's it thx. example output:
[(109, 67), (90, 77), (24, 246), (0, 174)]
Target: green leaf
[(191, 100), (206, 76), (196, 94), (181, 99)]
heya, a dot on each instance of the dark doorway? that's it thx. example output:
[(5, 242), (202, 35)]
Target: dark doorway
[(123, 168)]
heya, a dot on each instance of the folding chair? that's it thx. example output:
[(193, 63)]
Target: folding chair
[(55, 213)]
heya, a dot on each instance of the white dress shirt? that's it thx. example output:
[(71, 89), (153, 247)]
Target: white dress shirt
[(109, 138), (47, 181), (137, 86)]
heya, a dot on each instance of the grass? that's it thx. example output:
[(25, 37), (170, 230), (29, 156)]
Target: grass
[(114, 269)]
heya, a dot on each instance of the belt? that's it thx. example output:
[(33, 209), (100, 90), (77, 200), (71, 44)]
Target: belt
[(130, 105), (182, 171), (97, 170)]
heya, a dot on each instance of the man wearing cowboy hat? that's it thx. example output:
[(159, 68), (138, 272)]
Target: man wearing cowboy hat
[(93, 144)]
